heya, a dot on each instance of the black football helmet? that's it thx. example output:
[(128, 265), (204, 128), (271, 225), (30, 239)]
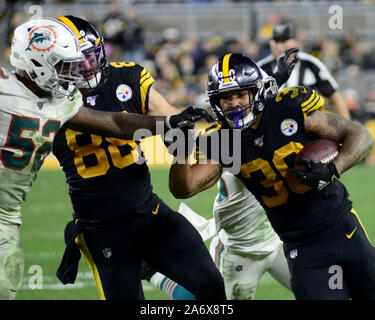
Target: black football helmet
[(234, 72), (92, 46)]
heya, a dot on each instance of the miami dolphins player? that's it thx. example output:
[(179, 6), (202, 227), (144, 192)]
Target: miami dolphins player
[(244, 246), (37, 99)]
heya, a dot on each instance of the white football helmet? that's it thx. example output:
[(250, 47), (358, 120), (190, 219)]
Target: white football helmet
[(49, 52)]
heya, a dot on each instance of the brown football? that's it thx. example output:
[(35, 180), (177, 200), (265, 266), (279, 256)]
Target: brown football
[(321, 150)]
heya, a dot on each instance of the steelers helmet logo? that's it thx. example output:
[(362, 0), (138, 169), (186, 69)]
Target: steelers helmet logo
[(289, 127), (124, 92), (42, 38)]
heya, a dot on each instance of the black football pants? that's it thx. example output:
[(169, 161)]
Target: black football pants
[(161, 237), (339, 264)]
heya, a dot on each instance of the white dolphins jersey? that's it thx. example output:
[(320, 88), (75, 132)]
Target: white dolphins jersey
[(28, 125), (240, 220)]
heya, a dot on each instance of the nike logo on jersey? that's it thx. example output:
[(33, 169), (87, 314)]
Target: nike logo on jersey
[(350, 235), (157, 209)]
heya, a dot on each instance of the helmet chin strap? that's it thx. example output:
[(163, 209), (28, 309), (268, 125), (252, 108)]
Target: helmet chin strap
[(92, 83)]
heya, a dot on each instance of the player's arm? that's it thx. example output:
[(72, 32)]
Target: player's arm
[(355, 139), (123, 125), (158, 106), (187, 180)]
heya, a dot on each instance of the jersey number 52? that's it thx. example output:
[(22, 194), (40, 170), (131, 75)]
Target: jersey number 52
[(23, 135)]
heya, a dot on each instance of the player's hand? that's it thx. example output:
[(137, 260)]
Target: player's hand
[(187, 118), (318, 176), (283, 68), (180, 142)]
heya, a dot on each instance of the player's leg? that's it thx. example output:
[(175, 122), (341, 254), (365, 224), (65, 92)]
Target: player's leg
[(172, 289), (310, 267), (241, 273), (359, 258), (12, 261), (278, 267), (176, 249), (116, 269)]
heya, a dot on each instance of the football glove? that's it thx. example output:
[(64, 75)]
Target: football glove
[(187, 117), (318, 176), (180, 142), (283, 69)]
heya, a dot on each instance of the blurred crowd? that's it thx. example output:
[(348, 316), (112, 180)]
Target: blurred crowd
[(180, 65)]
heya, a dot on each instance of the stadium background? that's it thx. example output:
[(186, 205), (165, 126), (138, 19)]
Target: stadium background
[(177, 41)]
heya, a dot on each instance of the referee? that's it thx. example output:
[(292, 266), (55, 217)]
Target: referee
[(309, 71)]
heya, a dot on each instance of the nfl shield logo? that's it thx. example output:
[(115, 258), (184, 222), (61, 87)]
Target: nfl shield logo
[(40, 105), (107, 253), (293, 254), (258, 142), (91, 100)]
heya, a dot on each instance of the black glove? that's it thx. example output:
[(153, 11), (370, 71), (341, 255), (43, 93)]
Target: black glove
[(319, 174), (186, 118), (283, 69), (180, 142)]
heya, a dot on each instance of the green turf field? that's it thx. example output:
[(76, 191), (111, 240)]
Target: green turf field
[(48, 208)]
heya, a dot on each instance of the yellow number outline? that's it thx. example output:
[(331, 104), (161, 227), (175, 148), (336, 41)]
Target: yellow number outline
[(272, 181), (94, 148), (294, 90), (122, 64)]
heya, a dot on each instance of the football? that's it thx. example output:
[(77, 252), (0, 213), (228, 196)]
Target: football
[(322, 150)]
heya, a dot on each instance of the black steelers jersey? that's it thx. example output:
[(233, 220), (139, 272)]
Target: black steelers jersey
[(295, 211), (103, 176)]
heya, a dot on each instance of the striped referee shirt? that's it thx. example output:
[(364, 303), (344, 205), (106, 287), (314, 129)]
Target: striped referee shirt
[(308, 72)]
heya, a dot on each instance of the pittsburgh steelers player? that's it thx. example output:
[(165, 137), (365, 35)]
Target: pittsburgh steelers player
[(244, 246), (37, 99), (310, 212), (118, 220)]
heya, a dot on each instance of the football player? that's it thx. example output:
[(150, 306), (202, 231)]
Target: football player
[(36, 101), (118, 219), (244, 246), (310, 211)]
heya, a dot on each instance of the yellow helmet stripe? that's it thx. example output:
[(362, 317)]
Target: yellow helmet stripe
[(225, 67), (71, 25)]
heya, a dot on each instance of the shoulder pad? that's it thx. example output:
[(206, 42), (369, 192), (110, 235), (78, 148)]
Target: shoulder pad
[(305, 98)]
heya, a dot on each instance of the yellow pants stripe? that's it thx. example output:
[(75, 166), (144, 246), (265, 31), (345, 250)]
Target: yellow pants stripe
[(360, 222), (81, 242)]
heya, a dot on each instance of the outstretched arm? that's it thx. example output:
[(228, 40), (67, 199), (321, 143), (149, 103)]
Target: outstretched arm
[(113, 124), (355, 139), (158, 105), (123, 125)]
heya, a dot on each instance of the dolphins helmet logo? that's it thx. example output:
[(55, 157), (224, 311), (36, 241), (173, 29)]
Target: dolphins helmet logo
[(42, 38)]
